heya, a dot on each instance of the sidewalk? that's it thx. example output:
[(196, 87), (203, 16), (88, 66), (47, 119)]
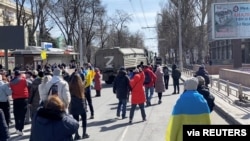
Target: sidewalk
[(225, 106)]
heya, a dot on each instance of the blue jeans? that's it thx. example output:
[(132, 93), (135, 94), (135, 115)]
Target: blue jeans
[(122, 106), (149, 93)]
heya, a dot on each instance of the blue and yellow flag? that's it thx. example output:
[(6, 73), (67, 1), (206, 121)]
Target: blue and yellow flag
[(190, 109), (43, 55), (89, 77)]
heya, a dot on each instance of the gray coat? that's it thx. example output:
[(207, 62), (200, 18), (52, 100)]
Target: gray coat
[(159, 83)]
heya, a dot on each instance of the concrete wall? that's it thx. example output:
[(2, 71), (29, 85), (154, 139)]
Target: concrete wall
[(215, 69), (235, 76)]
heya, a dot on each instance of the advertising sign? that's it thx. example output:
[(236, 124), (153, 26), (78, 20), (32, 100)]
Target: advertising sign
[(12, 37), (230, 20)]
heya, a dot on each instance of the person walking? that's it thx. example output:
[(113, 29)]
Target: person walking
[(5, 92), (176, 75), (149, 83), (121, 88), (34, 97), (203, 72), (204, 90), (77, 104), (190, 108), (20, 96), (137, 94), (97, 82), (61, 86), (52, 123), (90, 74), (159, 83), (4, 130), (166, 76)]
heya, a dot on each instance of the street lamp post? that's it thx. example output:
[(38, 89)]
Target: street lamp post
[(180, 36), (80, 38)]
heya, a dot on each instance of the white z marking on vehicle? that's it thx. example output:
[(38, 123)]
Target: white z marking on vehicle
[(110, 59)]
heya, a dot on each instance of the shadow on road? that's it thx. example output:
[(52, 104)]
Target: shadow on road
[(103, 122), (113, 127)]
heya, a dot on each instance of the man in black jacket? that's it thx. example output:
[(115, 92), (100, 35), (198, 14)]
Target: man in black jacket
[(121, 88), (204, 90), (176, 75)]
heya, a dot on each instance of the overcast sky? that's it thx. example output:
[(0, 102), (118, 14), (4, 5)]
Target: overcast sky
[(143, 13)]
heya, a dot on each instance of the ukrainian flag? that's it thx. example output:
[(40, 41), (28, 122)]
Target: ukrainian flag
[(190, 109)]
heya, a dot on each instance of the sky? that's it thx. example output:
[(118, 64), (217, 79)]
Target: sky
[(144, 13)]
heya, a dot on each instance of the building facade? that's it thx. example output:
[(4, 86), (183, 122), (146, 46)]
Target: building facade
[(220, 51)]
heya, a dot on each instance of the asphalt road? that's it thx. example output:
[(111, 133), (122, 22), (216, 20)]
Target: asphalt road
[(106, 127)]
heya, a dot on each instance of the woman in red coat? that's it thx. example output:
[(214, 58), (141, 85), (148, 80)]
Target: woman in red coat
[(138, 96), (97, 81)]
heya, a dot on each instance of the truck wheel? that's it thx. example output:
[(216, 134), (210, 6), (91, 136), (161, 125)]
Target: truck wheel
[(110, 81)]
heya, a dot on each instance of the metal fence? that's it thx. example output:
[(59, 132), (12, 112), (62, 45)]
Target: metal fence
[(224, 86)]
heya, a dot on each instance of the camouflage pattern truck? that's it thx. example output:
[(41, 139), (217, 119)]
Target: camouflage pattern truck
[(110, 60)]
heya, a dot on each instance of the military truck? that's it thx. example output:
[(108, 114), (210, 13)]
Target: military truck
[(110, 60)]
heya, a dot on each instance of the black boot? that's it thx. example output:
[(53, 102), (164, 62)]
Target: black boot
[(84, 134), (77, 136)]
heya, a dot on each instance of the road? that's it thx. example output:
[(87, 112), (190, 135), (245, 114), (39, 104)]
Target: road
[(105, 125)]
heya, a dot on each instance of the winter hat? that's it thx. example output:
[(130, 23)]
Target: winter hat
[(57, 72), (201, 80), (191, 84), (34, 72), (17, 73), (202, 66)]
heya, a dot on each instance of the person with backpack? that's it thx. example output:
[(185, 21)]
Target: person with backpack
[(149, 83), (203, 72), (57, 85), (176, 75)]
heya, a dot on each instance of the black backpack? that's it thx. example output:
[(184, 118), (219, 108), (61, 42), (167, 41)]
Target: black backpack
[(53, 89), (147, 78)]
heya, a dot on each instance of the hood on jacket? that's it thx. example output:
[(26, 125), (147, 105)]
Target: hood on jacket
[(45, 116)]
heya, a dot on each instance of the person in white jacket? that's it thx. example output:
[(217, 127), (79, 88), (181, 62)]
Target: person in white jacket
[(62, 88)]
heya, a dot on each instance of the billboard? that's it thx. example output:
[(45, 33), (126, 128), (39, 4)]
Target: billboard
[(12, 37), (230, 21)]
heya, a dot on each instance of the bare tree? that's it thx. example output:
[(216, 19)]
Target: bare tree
[(119, 23)]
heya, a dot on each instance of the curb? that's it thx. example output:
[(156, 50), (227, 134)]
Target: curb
[(227, 116)]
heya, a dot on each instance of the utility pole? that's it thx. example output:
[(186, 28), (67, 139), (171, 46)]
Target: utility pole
[(180, 36), (80, 37)]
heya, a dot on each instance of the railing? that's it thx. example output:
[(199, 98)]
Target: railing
[(224, 86)]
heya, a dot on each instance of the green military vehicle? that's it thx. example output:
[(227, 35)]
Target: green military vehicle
[(109, 60)]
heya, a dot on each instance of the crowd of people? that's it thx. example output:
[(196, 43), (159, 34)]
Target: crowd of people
[(48, 99), (52, 98)]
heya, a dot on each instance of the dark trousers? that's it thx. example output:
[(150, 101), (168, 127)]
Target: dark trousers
[(98, 92), (176, 85), (84, 122), (20, 109), (132, 110), (159, 96), (5, 106), (166, 80), (89, 100)]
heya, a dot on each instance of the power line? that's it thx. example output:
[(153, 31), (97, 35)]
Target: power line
[(135, 13), (143, 13)]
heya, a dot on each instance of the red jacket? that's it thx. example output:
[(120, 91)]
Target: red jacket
[(152, 76), (19, 88), (97, 80), (136, 83)]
